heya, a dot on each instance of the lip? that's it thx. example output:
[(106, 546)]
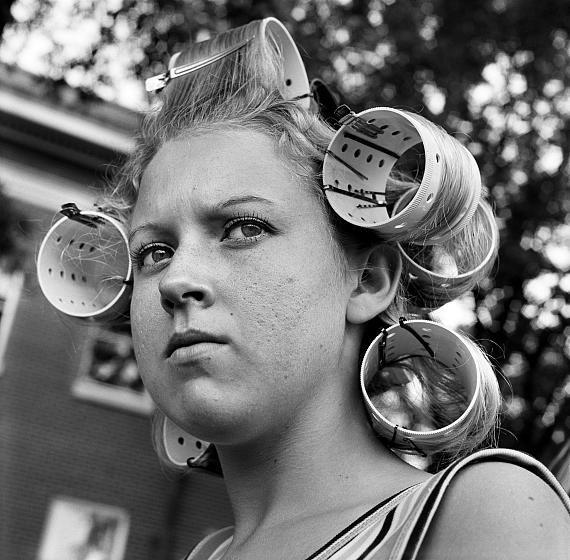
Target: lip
[(193, 354), (190, 344)]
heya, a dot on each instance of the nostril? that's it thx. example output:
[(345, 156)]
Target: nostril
[(167, 304), (195, 295)]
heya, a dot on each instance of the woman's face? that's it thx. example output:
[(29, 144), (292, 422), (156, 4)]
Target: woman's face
[(239, 303)]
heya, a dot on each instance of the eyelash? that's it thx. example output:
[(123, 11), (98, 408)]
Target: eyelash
[(243, 219), (138, 254)]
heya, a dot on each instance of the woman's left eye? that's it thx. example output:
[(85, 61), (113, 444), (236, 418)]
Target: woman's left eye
[(151, 255), (245, 229)]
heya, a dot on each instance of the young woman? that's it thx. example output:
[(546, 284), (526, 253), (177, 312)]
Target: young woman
[(257, 292)]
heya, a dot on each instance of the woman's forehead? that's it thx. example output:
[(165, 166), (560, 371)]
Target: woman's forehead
[(215, 168)]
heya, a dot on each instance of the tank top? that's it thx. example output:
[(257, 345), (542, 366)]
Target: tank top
[(395, 528)]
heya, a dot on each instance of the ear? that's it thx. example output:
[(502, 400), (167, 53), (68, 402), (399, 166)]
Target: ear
[(377, 284)]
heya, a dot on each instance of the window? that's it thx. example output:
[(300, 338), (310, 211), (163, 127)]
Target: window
[(108, 373), (78, 529)]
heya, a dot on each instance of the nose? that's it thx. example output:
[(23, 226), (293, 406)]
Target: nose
[(181, 287)]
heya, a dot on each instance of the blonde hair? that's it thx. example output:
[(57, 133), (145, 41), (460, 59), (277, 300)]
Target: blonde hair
[(244, 91)]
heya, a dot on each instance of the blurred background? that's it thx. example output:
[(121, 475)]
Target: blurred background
[(77, 471)]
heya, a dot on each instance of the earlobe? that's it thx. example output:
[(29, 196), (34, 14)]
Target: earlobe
[(377, 285)]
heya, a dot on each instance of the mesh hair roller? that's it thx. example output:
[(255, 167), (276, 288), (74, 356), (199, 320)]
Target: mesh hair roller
[(420, 338), (181, 447), (83, 265), (440, 272), (296, 84), (359, 160), (296, 80)]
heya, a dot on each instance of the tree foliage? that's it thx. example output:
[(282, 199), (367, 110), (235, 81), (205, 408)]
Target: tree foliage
[(493, 72)]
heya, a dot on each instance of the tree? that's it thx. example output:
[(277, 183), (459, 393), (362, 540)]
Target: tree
[(5, 15), (495, 73)]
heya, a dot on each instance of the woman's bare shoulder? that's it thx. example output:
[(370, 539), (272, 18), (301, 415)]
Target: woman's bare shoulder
[(499, 510)]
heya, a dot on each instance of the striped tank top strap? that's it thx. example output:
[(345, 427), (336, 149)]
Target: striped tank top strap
[(340, 540), (429, 498)]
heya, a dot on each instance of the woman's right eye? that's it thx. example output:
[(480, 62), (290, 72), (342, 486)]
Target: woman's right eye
[(151, 255)]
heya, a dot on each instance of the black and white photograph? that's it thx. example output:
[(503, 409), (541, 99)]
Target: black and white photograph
[(285, 280)]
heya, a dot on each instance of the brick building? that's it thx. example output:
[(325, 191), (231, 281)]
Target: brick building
[(76, 464)]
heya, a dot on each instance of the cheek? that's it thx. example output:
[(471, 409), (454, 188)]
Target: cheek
[(145, 326), (294, 303), (139, 302)]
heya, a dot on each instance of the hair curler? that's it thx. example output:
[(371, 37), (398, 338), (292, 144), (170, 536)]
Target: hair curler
[(427, 339), (180, 447), (296, 83), (296, 80), (83, 265), (359, 160), (440, 272), (185, 450)]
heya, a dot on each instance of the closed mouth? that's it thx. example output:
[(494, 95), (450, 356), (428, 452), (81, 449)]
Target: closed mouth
[(189, 338)]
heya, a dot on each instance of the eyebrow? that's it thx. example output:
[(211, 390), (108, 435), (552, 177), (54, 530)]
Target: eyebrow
[(235, 200), (213, 209)]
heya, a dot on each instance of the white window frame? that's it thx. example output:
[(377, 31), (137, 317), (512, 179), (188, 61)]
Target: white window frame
[(68, 525), (87, 388)]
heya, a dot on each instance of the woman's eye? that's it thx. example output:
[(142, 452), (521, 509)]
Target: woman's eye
[(152, 255), (157, 255), (245, 230)]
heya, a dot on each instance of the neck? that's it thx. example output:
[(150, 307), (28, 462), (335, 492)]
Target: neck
[(328, 459)]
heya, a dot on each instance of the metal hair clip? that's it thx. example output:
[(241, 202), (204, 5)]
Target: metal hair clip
[(156, 83), (344, 115), (70, 210)]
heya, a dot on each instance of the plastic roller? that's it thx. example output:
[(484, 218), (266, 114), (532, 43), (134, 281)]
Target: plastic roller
[(296, 84), (359, 160), (424, 339), (83, 265)]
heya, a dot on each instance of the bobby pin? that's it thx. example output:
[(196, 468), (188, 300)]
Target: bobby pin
[(354, 195)]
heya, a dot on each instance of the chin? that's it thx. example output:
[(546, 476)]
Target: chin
[(213, 419)]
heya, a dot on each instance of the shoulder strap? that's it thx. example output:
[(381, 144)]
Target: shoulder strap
[(412, 536), (208, 545)]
